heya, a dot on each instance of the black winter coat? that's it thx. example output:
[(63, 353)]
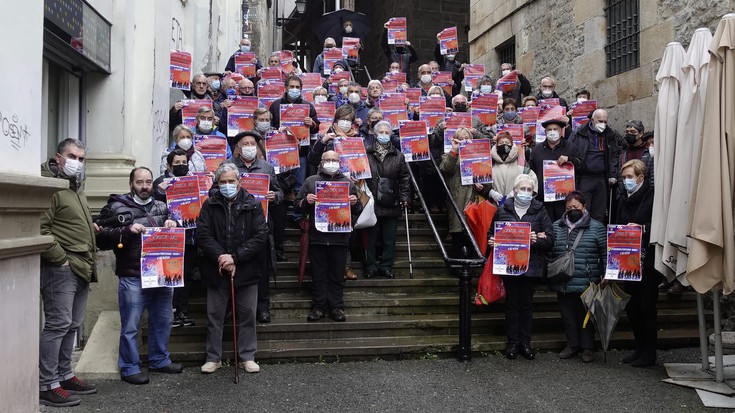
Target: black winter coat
[(127, 258), (238, 229), (540, 222), (544, 152), (392, 167), (275, 111), (582, 138), (637, 208)]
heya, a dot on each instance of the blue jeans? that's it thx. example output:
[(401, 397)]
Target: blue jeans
[(133, 300)]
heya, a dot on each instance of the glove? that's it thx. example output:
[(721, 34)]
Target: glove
[(497, 196)]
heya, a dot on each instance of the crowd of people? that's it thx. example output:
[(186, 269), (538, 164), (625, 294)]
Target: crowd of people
[(235, 246)]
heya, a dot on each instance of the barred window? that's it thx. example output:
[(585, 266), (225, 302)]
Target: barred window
[(507, 52), (622, 49)]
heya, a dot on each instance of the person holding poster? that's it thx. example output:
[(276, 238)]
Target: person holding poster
[(327, 250), (133, 299), (635, 207), (199, 91), (519, 289), (402, 54), (563, 152), (426, 83), (522, 86), (245, 47), (184, 140), (343, 127), (506, 167), (590, 253), (463, 194), (448, 63), (232, 234), (546, 91), (318, 66), (375, 90)]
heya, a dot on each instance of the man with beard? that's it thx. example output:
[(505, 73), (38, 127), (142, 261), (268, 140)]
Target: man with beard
[(125, 241)]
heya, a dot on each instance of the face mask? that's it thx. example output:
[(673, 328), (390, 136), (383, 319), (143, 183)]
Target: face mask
[(395, 71), (231, 93), (630, 138), (180, 170), (216, 84), (205, 126), (348, 29), (630, 184), (263, 126), (330, 167), (249, 152), (343, 90), (373, 123), (244, 48), (383, 138), (330, 46), (425, 79), (553, 136), (600, 127), (506, 72), (510, 115), (320, 99), (354, 98), (338, 70), (485, 89), (344, 125), (547, 93), (460, 107), (294, 94), (72, 168), (523, 198), (574, 215), (185, 144), (140, 201), (503, 149), (228, 190), (450, 57), (580, 100), (651, 151)]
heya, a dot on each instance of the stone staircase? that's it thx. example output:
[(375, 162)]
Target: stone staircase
[(402, 318)]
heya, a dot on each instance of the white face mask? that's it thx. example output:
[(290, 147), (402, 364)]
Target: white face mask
[(348, 29), (600, 126), (330, 167), (547, 93), (338, 70), (320, 99), (185, 144), (72, 168), (343, 90), (425, 79), (140, 201), (580, 100), (249, 152), (354, 98), (244, 48), (263, 126), (450, 57), (506, 72), (651, 151), (395, 71), (205, 126), (485, 89), (344, 125), (553, 136)]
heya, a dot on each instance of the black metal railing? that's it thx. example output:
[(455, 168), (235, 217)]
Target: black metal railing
[(463, 265)]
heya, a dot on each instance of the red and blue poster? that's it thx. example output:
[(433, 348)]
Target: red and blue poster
[(485, 107), (548, 113), (455, 121), (512, 250), (350, 48), (332, 208), (397, 31), (245, 64), (292, 117), (443, 79), (353, 159), (516, 133), (258, 186), (433, 110), (558, 180), (448, 42), (325, 115), (331, 56), (508, 82), (415, 140), (269, 91), (529, 115), (162, 257), (624, 252), (240, 114), (180, 70), (581, 112), (309, 83), (282, 151), (184, 200), (475, 164), (190, 109), (472, 74), (213, 149), (393, 106)]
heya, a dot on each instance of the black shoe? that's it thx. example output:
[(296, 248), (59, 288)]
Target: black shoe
[(171, 368), (184, 319), (527, 352), (645, 360), (632, 357), (177, 321), (371, 273), (387, 273), (280, 257), (140, 378), (264, 317), (338, 314), (58, 397), (315, 314), (511, 352), (568, 352), (76, 386)]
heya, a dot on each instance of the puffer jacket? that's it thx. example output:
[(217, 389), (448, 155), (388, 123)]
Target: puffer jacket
[(69, 222), (540, 222), (238, 229), (392, 167), (589, 257), (506, 170), (127, 258), (463, 194)]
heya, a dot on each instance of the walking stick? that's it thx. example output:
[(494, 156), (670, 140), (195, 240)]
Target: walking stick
[(609, 208), (408, 238), (234, 322)]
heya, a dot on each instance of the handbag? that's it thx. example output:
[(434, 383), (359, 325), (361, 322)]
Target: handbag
[(367, 217), (561, 268), (387, 196)]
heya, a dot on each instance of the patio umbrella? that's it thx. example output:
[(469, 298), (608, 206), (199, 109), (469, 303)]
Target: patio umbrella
[(712, 249), (479, 218), (330, 25), (667, 110), (605, 309), (303, 248), (688, 141)]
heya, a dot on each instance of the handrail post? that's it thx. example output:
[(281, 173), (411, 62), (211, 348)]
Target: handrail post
[(465, 315)]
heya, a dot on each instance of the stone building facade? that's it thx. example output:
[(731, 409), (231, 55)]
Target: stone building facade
[(566, 39)]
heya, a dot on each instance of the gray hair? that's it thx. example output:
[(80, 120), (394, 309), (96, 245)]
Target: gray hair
[(522, 178), (180, 128), (638, 125), (375, 82), (197, 76), (383, 123), (204, 109), (69, 141), (224, 168)]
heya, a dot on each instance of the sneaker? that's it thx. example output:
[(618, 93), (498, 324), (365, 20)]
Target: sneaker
[(210, 367), (250, 366), (315, 314), (338, 314), (177, 322), (76, 386), (185, 319), (58, 397)]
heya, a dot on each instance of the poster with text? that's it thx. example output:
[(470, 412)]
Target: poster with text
[(240, 114), (282, 151), (245, 64), (353, 160), (180, 70), (399, 78), (162, 257), (310, 81), (287, 66), (455, 121), (508, 82), (472, 74), (393, 106), (292, 117), (272, 73), (624, 252), (516, 132), (475, 164), (413, 95), (581, 112), (433, 110), (331, 56), (444, 80), (448, 41), (350, 48), (512, 251), (485, 107), (529, 115), (332, 208), (415, 140), (205, 184), (325, 115), (258, 186), (184, 200), (213, 149), (189, 111), (558, 180), (397, 31), (269, 91)]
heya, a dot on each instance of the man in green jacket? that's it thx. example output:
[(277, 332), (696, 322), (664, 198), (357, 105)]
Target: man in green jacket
[(67, 268)]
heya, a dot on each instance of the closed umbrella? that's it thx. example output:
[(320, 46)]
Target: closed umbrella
[(688, 141), (605, 310), (304, 224), (479, 218), (667, 109), (712, 249)]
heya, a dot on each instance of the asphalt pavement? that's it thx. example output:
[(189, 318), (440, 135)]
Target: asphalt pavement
[(489, 383)]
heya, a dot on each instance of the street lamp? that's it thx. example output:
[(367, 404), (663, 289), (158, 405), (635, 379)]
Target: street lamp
[(300, 9)]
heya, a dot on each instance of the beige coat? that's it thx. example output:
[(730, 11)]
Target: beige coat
[(463, 194), (711, 262), (506, 171)]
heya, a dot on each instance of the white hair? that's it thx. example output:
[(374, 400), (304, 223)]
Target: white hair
[(383, 123), (522, 178), (224, 168)]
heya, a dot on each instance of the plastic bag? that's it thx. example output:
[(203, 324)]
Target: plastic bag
[(490, 288)]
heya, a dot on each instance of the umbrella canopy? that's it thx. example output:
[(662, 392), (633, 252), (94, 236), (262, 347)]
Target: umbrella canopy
[(605, 309), (667, 110), (712, 254), (304, 224), (688, 141), (479, 218), (330, 25)]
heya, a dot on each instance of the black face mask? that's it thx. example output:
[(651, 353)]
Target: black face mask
[(574, 215), (460, 107), (373, 123), (630, 138), (503, 149), (180, 170)]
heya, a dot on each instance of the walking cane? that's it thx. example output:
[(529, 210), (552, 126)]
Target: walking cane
[(609, 208), (234, 322), (408, 238)]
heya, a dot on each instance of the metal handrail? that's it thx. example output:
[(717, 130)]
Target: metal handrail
[(465, 277)]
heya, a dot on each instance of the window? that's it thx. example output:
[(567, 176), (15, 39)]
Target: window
[(507, 52), (622, 47), (60, 116)]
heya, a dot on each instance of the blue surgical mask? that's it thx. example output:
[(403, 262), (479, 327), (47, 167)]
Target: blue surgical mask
[(383, 138), (485, 89), (215, 84), (510, 115), (231, 92), (228, 190), (294, 93), (631, 184), (523, 198), (244, 48)]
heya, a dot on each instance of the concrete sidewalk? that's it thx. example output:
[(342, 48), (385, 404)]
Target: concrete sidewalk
[(489, 384)]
